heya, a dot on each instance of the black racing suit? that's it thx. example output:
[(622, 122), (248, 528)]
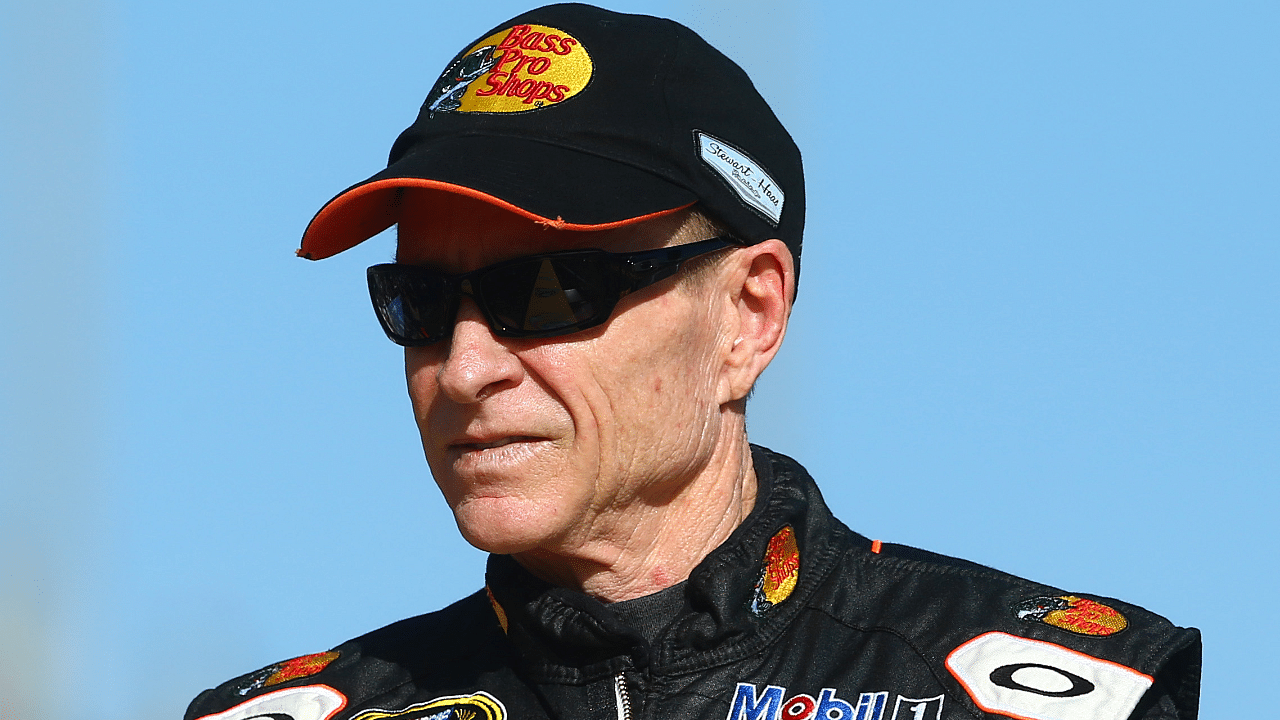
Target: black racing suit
[(794, 617)]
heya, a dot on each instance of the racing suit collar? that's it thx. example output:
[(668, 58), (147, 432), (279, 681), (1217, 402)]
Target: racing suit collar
[(562, 635)]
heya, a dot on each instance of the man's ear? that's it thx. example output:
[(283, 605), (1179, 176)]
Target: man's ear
[(760, 285)]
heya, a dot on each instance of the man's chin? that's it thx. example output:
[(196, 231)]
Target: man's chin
[(497, 527), (490, 543)]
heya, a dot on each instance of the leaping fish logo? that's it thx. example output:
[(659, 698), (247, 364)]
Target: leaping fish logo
[(454, 81), (1074, 614)]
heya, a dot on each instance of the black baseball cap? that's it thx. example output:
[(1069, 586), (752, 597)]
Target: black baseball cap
[(587, 119)]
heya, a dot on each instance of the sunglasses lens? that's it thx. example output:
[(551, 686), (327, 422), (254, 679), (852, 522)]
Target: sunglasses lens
[(547, 296), (539, 296), (414, 308)]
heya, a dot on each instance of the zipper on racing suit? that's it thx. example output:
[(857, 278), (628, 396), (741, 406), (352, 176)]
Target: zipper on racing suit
[(623, 697)]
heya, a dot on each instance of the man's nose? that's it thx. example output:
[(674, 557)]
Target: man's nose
[(479, 363)]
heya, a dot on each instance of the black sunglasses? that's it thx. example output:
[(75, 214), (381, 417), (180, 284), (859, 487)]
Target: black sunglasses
[(535, 296)]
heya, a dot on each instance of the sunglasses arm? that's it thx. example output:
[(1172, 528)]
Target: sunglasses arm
[(646, 268)]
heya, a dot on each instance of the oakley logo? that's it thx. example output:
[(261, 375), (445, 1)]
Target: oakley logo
[(1040, 679), (1036, 680)]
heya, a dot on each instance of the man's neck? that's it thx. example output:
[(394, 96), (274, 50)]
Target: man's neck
[(656, 544)]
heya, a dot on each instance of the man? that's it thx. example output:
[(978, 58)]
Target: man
[(599, 234)]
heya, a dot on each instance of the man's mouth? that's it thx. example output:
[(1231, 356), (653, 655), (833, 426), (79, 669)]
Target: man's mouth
[(469, 446)]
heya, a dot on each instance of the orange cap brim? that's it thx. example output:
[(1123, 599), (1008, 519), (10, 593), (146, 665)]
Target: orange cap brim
[(366, 210)]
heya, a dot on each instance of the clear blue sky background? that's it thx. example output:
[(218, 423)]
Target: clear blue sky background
[(1037, 326)]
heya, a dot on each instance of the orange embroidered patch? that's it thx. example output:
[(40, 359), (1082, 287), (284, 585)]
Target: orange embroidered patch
[(497, 609), (1073, 614), (518, 69), (782, 566), (300, 667), (780, 571)]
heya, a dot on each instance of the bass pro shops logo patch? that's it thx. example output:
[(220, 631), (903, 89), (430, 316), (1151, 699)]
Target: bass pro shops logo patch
[(522, 68), (779, 572), (1074, 614), (299, 667), (477, 706)]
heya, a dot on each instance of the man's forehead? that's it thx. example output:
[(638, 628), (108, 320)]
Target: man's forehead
[(446, 229)]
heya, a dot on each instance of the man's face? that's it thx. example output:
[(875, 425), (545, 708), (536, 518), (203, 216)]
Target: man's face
[(550, 445)]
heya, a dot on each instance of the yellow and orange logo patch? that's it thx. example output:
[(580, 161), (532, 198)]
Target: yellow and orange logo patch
[(1074, 614), (283, 672), (518, 69), (780, 571), (497, 609), (476, 706), (300, 667)]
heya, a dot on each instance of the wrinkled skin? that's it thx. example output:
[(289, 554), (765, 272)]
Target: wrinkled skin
[(610, 460)]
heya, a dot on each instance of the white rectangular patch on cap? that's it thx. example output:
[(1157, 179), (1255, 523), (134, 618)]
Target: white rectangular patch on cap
[(743, 174)]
